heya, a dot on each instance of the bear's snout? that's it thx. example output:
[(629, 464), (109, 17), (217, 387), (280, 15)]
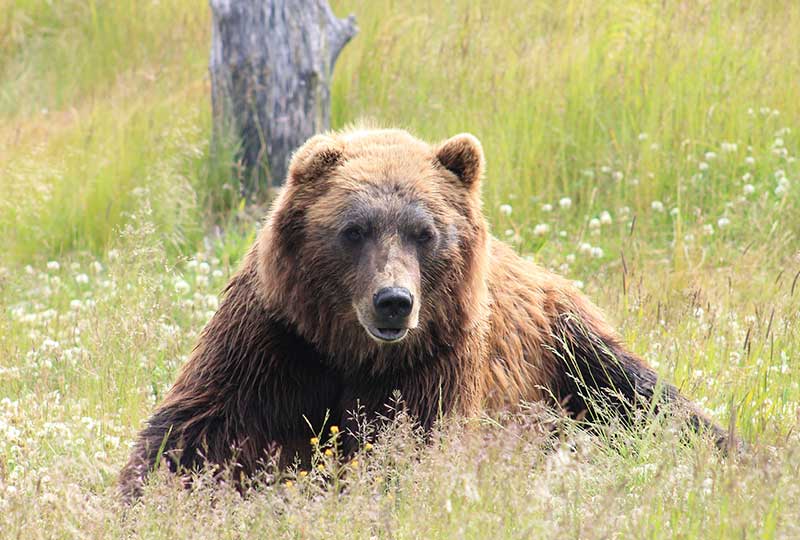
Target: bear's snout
[(393, 305), (392, 314)]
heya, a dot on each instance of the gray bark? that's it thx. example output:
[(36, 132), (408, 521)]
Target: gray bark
[(271, 65)]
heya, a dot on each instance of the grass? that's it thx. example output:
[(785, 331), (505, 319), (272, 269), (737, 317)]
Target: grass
[(648, 150)]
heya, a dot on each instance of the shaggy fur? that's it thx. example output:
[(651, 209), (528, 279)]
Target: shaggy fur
[(287, 344)]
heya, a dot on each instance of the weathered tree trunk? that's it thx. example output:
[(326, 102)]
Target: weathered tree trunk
[(271, 65)]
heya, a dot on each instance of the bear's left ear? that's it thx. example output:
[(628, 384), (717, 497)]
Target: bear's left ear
[(462, 155), (314, 159)]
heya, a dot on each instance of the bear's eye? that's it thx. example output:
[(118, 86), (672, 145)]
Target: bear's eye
[(353, 233), (424, 236)]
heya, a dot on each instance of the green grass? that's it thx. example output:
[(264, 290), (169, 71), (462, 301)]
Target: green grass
[(119, 225)]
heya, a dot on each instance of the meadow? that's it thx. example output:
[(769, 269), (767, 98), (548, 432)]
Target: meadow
[(647, 150)]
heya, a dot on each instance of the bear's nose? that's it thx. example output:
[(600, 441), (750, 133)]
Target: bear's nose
[(392, 303)]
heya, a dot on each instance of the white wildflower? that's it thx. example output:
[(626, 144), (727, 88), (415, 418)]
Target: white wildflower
[(547, 208), (50, 345), (723, 222), (594, 223), (181, 287), (506, 209), (470, 491), (83, 279), (565, 202), (541, 229), (708, 484), (597, 252), (657, 206), (703, 166), (605, 218), (783, 185), (750, 160), (53, 265), (749, 189), (710, 156)]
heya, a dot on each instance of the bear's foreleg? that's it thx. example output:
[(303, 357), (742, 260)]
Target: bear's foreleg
[(596, 374), (183, 437)]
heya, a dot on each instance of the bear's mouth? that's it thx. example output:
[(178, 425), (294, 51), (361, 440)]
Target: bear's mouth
[(387, 335)]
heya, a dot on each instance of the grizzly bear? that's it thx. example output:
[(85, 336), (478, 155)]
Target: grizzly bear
[(375, 272)]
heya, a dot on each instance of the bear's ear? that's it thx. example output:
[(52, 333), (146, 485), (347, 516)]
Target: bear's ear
[(462, 155), (317, 156)]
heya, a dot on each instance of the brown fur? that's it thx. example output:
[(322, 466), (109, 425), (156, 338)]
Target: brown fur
[(286, 343)]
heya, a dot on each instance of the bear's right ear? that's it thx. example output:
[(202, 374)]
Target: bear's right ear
[(462, 155), (317, 156)]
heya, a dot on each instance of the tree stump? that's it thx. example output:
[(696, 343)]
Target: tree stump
[(271, 65)]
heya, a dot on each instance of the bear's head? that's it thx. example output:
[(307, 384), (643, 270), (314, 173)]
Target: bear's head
[(376, 246)]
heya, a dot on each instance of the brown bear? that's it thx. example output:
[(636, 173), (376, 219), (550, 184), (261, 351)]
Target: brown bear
[(375, 272)]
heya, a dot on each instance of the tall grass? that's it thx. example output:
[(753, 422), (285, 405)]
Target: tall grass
[(557, 95), (57, 55), (99, 100), (556, 91)]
